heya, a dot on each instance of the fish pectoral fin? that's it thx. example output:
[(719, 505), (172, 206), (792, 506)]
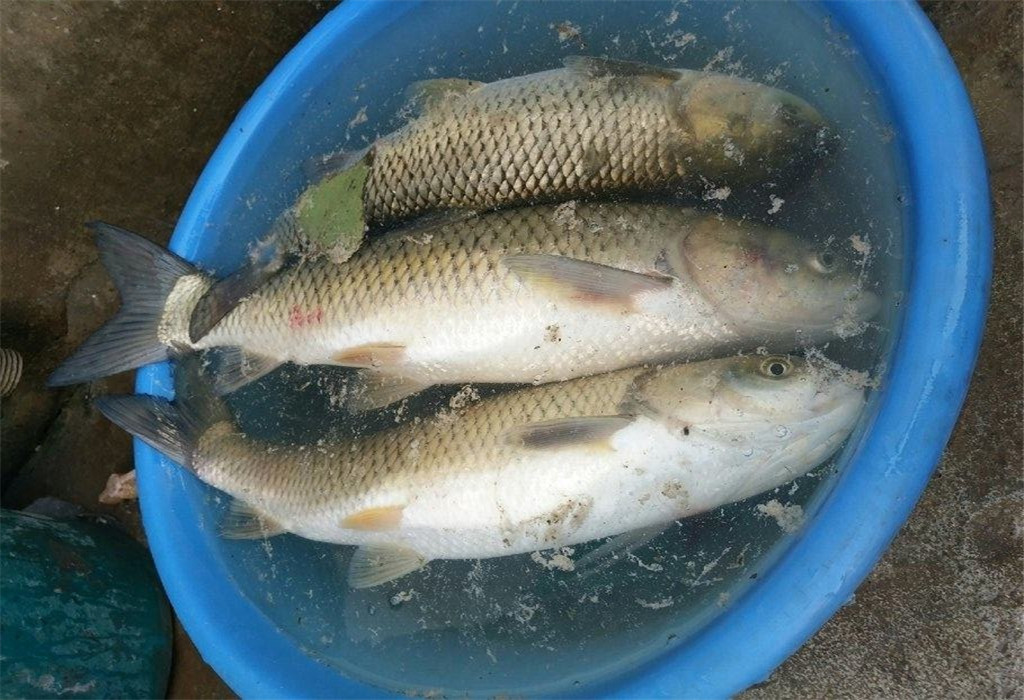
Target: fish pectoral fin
[(594, 67), (372, 390), (594, 431), (426, 95), (370, 355), (244, 522), (224, 295), (374, 564), (375, 519), (584, 282), (235, 368), (614, 548)]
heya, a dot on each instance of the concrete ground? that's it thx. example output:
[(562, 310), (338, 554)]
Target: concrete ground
[(111, 110)]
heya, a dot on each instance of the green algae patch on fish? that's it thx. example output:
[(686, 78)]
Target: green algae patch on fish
[(330, 213)]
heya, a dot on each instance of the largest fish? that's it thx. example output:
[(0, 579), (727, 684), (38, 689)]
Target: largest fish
[(531, 295), (593, 127), (532, 469)]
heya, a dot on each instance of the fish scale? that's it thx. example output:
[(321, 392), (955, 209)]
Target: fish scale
[(522, 129), (290, 482)]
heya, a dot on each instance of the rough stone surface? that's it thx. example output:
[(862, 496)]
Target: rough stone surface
[(111, 110)]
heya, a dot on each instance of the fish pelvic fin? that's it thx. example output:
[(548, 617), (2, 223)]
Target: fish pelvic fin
[(172, 428), (371, 390), (616, 548), (158, 292), (375, 519), (374, 564), (370, 355)]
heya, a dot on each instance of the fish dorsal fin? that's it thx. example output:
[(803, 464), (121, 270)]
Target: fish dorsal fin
[(594, 67), (584, 282), (319, 167), (427, 95), (244, 522), (371, 390), (236, 368), (586, 431), (225, 294), (374, 564)]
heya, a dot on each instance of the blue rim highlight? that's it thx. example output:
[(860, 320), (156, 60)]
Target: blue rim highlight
[(947, 293)]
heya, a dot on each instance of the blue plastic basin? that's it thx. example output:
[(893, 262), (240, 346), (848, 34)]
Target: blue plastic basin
[(948, 267)]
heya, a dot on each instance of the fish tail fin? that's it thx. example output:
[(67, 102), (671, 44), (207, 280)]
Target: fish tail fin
[(172, 428), (155, 421), (147, 277)]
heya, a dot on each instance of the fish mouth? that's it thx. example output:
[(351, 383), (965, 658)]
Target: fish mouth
[(812, 135), (819, 449)]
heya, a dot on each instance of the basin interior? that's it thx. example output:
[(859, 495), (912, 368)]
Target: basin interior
[(513, 625)]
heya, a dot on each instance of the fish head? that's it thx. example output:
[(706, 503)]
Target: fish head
[(770, 284), (753, 125), (777, 415)]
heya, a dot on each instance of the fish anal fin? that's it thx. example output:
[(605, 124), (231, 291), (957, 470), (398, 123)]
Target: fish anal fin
[(594, 67), (372, 390), (427, 95), (236, 368), (584, 282), (375, 519), (244, 522), (374, 564), (587, 431), (370, 355)]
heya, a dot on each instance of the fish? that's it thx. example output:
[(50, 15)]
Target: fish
[(594, 127), (532, 469), (530, 295)]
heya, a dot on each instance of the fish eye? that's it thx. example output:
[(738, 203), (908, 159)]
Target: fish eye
[(776, 367), (825, 261)]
